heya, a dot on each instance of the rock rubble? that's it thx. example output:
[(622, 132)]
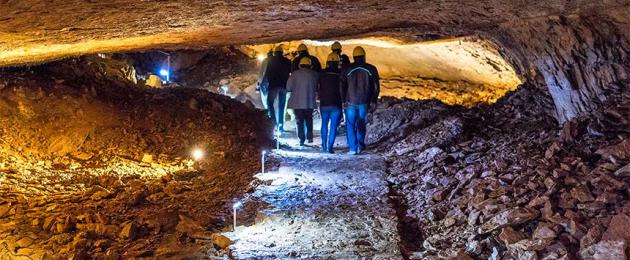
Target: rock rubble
[(504, 181)]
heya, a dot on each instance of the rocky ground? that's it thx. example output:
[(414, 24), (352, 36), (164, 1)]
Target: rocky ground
[(319, 206), (503, 181), (93, 164)]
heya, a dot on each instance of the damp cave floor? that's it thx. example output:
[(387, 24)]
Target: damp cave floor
[(320, 206)]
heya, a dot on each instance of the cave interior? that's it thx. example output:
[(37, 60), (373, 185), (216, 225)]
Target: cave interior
[(136, 129)]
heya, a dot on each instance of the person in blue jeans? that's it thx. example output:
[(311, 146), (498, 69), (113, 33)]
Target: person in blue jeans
[(329, 93), (359, 89), (276, 75)]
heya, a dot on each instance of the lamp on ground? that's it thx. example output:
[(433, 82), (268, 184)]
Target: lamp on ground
[(263, 161), (236, 206), (276, 134), (197, 154)]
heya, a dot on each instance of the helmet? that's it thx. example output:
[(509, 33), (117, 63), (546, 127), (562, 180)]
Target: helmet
[(302, 47), (278, 48), (336, 46), (305, 61), (358, 51), (333, 57)]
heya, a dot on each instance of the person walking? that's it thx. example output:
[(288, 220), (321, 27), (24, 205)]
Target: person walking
[(360, 89), (344, 60), (303, 85), (262, 85), (330, 105), (277, 74), (303, 52)]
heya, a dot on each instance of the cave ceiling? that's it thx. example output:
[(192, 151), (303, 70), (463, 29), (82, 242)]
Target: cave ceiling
[(36, 31)]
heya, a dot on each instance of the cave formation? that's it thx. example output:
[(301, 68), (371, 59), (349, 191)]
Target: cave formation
[(502, 131)]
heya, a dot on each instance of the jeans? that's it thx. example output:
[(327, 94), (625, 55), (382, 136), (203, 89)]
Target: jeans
[(330, 115), (356, 122), (277, 115), (304, 120)]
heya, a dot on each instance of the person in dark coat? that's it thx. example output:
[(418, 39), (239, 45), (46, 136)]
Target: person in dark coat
[(303, 86), (344, 60), (360, 89), (262, 85), (330, 105), (277, 74), (303, 52)]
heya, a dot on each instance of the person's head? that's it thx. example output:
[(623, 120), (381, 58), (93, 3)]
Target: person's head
[(358, 54), (333, 60), (270, 53), (344, 59), (305, 62), (336, 48), (278, 51), (302, 49)]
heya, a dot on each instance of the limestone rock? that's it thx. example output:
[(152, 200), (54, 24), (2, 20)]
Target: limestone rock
[(510, 236), (608, 249), (510, 217), (220, 241)]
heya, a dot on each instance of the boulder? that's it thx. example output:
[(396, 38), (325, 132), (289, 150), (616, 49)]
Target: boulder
[(509, 217), (510, 236), (608, 250), (220, 241), (618, 229)]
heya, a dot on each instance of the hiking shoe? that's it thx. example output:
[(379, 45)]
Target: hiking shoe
[(352, 152)]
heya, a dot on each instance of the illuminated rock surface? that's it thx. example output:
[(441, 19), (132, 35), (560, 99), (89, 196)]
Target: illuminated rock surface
[(94, 164), (321, 206)]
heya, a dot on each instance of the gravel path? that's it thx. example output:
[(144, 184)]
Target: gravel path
[(321, 207)]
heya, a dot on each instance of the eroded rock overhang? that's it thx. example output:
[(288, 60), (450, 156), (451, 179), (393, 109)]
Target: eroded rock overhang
[(576, 51)]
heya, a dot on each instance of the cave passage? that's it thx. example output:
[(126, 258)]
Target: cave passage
[(134, 130)]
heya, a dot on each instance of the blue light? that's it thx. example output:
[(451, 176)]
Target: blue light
[(164, 72), (237, 205)]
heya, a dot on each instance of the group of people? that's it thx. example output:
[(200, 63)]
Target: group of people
[(340, 86)]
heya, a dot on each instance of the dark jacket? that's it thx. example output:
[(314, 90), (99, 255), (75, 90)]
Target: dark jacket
[(329, 88), (360, 84), (303, 87), (277, 72), (315, 65)]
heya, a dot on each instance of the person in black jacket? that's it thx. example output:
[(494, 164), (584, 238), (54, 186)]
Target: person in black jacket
[(303, 52), (277, 74), (359, 89), (329, 93), (262, 85), (344, 60)]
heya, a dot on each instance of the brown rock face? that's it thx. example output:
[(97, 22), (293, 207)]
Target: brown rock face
[(576, 50), (581, 59)]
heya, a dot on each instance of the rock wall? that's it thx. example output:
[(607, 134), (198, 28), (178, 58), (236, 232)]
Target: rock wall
[(579, 58)]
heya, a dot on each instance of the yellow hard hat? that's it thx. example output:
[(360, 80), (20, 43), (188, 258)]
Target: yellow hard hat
[(358, 51), (302, 47), (333, 57), (336, 46), (305, 61), (278, 48)]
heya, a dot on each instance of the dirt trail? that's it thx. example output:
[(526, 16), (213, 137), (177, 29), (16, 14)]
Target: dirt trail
[(321, 206)]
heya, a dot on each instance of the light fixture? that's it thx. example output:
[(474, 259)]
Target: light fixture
[(236, 206), (261, 57), (276, 134), (166, 72), (263, 162), (225, 88), (197, 154)]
